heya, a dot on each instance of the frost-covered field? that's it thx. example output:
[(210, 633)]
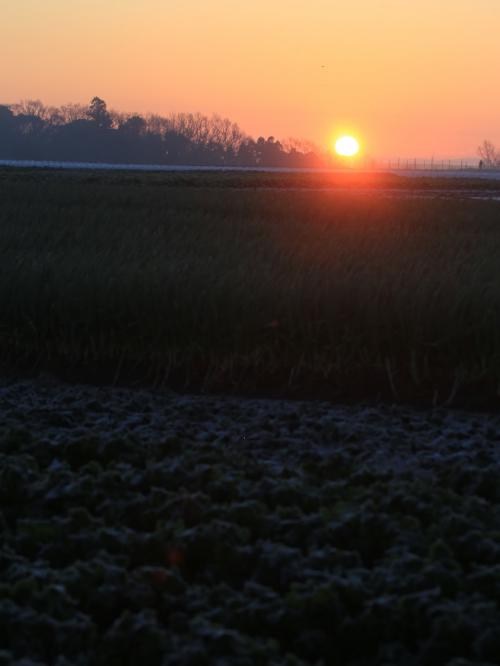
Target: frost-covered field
[(486, 174), (155, 528), (102, 166)]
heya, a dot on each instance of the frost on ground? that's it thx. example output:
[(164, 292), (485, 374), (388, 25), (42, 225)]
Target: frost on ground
[(437, 172), (142, 528)]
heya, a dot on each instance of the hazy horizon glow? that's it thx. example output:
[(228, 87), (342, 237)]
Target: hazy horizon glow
[(409, 79)]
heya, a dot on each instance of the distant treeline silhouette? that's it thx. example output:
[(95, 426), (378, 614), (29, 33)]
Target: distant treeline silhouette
[(73, 132)]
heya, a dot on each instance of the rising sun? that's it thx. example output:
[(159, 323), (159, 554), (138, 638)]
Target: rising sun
[(347, 146)]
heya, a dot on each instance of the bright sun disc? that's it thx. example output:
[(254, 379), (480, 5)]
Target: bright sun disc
[(347, 146)]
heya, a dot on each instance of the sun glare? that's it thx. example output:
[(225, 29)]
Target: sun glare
[(346, 146)]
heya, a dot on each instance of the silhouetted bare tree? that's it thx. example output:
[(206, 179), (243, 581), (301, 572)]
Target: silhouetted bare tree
[(31, 107), (73, 112), (489, 154)]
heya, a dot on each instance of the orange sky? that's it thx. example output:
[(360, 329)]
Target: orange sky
[(411, 77)]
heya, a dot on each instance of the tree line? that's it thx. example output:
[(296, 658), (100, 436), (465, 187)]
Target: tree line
[(74, 132)]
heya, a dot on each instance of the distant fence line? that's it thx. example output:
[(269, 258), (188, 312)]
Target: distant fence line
[(432, 164)]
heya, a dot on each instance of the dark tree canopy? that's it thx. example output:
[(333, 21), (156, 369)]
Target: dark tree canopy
[(98, 112), (31, 131)]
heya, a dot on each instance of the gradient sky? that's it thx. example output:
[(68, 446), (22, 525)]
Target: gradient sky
[(410, 77)]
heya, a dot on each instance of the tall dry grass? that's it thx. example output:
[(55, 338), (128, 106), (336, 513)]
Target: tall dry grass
[(239, 288)]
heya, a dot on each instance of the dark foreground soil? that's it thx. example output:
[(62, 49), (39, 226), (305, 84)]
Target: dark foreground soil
[(158, 529)]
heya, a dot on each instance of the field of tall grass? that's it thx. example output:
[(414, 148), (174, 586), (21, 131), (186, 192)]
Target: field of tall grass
[(251, 288)]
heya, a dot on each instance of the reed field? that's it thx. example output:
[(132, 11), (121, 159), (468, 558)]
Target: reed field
[(237, 282)]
